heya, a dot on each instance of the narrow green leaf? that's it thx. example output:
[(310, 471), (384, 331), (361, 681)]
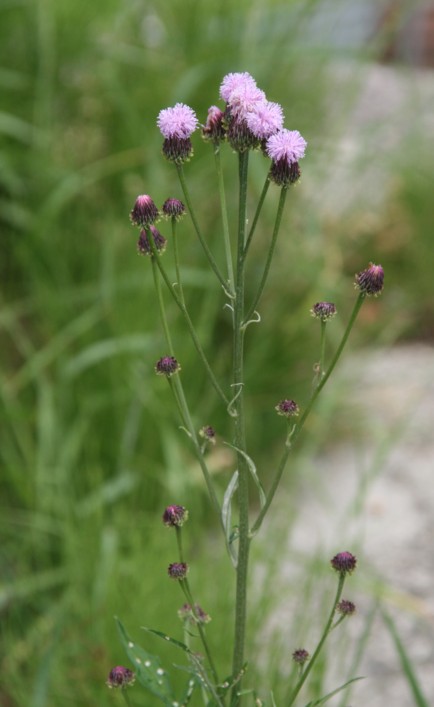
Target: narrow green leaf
[(253, 472), (148, 668), (167, 638), (327, 697), (406, 665), (227, 516)]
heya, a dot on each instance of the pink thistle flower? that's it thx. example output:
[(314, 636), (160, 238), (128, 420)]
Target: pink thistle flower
[(144, 211), (214, 128), (179, 121), (265, 119), (234, 81), (286, 145), (243, 100)]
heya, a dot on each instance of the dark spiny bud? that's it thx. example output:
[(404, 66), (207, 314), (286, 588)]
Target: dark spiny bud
[(198, 616), (345, 607), (175, 516), (173, 208), (144, 246), (177, 570), (287, 408), (167, 366), (344, 562), (144, 211), (300, 656), (214, 129), (120, 677), (207, 432), (323, 311), (371, 280)]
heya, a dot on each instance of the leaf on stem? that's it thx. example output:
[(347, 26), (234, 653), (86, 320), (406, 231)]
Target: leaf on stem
[(253, 472), (148, 668), (227, 516), (327, 697)]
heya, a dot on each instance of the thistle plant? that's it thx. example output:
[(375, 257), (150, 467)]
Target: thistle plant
[(253, 128)]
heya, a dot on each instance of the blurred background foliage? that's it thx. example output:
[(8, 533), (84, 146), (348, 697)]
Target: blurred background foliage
[(90, 448)]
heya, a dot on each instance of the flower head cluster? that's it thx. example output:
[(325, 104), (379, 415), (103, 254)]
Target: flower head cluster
[(120, 677), (177, 570), (167, 366), (144, 245), (250, 117), (214, 128), (323, 311), (175, 516), (344, 562), (371, 280), (287, 408)]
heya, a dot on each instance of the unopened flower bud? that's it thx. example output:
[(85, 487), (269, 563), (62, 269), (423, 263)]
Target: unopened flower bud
[(323, 311), (175, 516), (346, 607), (371, 280), (120, 677), (144, 211), (187, 614), (344, 562), (173, 208), (177, 570), (144, 246), (208, 433), (214, 129), (167, 366), (287, 408), (300, 656)]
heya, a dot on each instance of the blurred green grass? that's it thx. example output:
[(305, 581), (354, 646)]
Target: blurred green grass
[(90, 448)]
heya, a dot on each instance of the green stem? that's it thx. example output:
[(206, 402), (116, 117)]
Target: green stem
[(281, 204), (192, 331), (187, 591), (224, 212), (240, 438), (176, 258), (291, 438), (203, 242), (257, 213), (325, 633), (126, 696), (162, 308)]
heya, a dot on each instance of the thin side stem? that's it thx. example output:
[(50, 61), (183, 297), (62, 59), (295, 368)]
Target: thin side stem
[(203, 242), (325, 633), (291, 438), (192, 331), (176, 258), (225, 221), (281, 204), (257, 213), (240, 438)]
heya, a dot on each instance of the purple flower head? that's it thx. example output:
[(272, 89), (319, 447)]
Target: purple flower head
[(287, 145), (346, 607), (232, 82), (323, 311), (175, 516), (198, 616), (344, 562), (300, 656), (179, 121), (244, 100), (120, 677), (173, 208), (265, 119), (167, 366), (214, 128), (144, 246), (371, 280), (144, 211), (287, 408), (177, 570)]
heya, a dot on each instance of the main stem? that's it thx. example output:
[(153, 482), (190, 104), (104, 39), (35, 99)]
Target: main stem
[(240, 438)]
